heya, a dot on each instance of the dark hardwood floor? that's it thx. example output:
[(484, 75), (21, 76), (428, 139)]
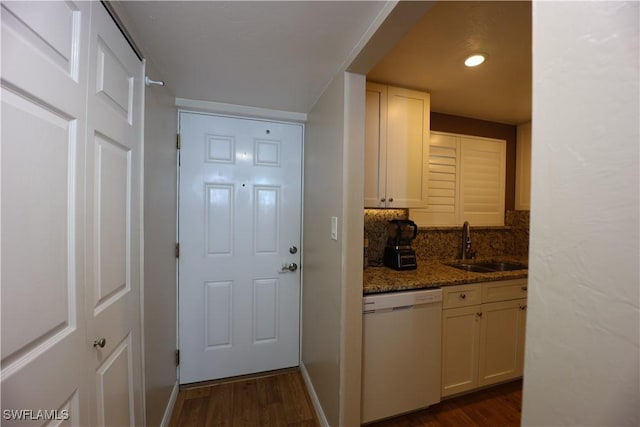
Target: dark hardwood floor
[(281, 399), (276, 399), (497, 406)]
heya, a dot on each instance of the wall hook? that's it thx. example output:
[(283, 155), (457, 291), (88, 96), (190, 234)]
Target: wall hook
[(149, 82)]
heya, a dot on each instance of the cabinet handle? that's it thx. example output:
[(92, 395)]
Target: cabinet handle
[(463, 296), (390, 199), (479, 314), (523, 307), (383, 200), (524, 288)]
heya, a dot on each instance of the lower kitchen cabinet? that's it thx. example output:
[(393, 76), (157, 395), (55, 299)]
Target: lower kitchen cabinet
[(460, 349), (501, 341), (482, 342)]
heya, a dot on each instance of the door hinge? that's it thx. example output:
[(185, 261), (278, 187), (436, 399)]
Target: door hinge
[(177, 250), (178, 141), (177, 357)]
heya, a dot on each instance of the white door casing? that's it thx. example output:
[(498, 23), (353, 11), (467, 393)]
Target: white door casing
[(114, 207), (240, 214), (71, 153)]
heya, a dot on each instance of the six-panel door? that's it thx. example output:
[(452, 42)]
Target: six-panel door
[(240, 215)]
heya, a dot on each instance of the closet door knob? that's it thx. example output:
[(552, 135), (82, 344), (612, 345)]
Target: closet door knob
[(100, 343)]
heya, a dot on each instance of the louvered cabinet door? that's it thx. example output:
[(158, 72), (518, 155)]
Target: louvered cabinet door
[(482, 180), (443, 182)]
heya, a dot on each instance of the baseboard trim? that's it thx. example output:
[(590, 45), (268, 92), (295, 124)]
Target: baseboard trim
[(166, 419), (314, 397)]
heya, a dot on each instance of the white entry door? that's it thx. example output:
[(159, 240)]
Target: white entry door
[(71, 162), (239, 227)]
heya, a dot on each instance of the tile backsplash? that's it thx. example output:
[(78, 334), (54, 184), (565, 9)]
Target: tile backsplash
[(445, 242)]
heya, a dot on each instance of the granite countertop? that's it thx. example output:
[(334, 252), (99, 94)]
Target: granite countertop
[(433, 274)]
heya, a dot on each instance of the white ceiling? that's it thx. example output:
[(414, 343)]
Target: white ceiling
[(430, 57), (278, 55), (281, 55)]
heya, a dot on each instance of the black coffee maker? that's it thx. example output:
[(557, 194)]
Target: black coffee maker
[(398, 253)]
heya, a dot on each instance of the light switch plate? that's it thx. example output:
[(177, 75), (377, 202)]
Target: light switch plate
[(334, 228)]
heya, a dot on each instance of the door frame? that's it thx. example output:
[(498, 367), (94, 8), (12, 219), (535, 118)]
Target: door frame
[(244, 113)]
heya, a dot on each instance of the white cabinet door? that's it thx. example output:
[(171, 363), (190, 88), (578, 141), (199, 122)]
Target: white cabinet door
[(460, 349), (375, 154), (396, 147), (499, 342), (240, 217), (44, 346), (502, 341), (114, 165), (407, 148)]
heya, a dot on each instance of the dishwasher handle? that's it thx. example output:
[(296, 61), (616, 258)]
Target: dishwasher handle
[(387, 309), (403, 307)]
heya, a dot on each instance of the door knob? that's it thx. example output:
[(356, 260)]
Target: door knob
[(290, 267), (100, 343)]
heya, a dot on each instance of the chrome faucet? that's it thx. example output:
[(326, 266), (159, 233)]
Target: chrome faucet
[(466, 252)]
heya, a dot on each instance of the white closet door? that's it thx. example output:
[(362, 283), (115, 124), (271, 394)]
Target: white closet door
[(70, 217), (44, 48), (114, 149)]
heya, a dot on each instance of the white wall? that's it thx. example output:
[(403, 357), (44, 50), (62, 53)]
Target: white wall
[(332, 292), (334, 186), (322, 268), (582, 351), (352, 249), (159, 248)]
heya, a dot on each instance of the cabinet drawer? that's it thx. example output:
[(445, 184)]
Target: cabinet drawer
[(461, 295), (504, 290)]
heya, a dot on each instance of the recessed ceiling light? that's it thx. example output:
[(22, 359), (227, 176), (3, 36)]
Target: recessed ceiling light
[(475, 60)]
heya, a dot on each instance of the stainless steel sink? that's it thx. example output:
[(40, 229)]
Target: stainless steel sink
[(489, 267), (502, 266), (471, 267)]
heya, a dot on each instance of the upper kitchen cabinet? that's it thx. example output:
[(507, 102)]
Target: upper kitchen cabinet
[(396, 147), (523, 167), (467, 178)]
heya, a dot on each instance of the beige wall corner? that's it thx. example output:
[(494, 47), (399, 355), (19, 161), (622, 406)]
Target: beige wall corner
[(322, 268), (160, 169), (352, 249)]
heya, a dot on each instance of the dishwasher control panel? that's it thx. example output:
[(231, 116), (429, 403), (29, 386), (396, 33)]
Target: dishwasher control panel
[(395, 300)]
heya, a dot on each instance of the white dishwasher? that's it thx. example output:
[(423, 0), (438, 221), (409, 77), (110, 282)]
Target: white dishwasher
[(402, 340)]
